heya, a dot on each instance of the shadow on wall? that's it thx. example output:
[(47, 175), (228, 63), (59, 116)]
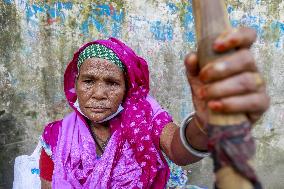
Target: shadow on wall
[(11, 140), (11, 129)]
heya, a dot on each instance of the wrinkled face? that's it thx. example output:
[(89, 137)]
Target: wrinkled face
[(100, 88)]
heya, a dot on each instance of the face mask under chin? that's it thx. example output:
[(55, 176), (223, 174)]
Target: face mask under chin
[(120, 108)]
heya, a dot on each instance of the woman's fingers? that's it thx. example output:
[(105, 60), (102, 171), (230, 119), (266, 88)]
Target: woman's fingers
[(254, 116), (254, 102), (191, 64), (247, 82), (240, 61), (237, 38), (230, 84)]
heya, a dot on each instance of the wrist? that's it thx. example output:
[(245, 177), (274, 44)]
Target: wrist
[(198, 140), (200, 124), (193, 140), (195, 136)]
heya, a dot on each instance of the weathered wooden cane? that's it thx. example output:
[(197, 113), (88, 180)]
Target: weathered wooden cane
[(211, 20)]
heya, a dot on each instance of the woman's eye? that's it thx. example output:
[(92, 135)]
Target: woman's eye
[(88, 81), (113, 83)]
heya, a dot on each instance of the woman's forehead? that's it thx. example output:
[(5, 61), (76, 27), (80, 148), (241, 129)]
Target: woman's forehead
[(99, 65)]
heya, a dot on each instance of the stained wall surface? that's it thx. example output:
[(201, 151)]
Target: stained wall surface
[(38, 38)]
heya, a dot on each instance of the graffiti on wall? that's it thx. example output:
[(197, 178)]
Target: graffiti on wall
[(107, 18)]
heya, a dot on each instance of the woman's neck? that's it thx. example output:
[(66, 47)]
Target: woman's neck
[(102, 130)]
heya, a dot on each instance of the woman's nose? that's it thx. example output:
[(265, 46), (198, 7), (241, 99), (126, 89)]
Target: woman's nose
[(99, 91)]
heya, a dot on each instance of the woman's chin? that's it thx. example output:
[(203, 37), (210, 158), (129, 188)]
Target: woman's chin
[(97, 117)]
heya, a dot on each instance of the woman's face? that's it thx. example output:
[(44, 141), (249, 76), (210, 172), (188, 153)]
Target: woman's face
[(100, 88)]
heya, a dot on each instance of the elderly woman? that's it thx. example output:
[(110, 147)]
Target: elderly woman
[(117, 132)]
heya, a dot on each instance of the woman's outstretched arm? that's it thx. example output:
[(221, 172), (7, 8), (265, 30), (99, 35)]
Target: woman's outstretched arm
[(171, 143)]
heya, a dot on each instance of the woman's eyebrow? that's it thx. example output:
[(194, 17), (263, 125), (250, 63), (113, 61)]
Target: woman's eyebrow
[(85, 75), (112, 78), (105, 77)]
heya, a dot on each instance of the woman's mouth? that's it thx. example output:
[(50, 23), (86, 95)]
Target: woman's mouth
[(98, 109)]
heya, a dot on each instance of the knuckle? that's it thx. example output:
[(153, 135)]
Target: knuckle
[(226, 105), (251, 33), (246, 82), (263, 102), (210, 91), (243, 30), (255, 104), (246, 56), (247, 59)]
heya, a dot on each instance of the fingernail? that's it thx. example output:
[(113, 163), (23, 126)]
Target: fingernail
[(215, 105), (233, 42), (219, 46)]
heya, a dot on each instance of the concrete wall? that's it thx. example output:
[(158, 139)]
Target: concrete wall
[(37, 40)]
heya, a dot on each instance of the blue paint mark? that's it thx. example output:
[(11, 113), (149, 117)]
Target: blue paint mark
[(235, 23), (59, 5), (190, 36), (281, 27), (53, 11), (29, 13), (172, 7), (116, 28), (37, 9), (102, 16), (104, 9), (85, 27), (258, 2), (254, 22), (188, 25), (162, 32), (63, 5), (67, 5), (230, 9), (8, 1), (35, 171), (118, 17), (97, 24), (278, 27)]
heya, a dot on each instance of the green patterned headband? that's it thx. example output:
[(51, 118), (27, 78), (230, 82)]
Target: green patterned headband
[(99, 51)]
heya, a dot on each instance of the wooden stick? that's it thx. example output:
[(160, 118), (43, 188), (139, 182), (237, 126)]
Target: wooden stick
[(210, 21)]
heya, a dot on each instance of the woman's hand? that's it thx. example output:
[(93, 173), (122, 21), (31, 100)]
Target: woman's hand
[(230, 84)]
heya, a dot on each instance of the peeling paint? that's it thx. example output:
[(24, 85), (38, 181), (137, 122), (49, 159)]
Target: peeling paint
[(163, 32)]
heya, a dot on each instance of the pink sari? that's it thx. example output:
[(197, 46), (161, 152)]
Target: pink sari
[(132, 158)]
